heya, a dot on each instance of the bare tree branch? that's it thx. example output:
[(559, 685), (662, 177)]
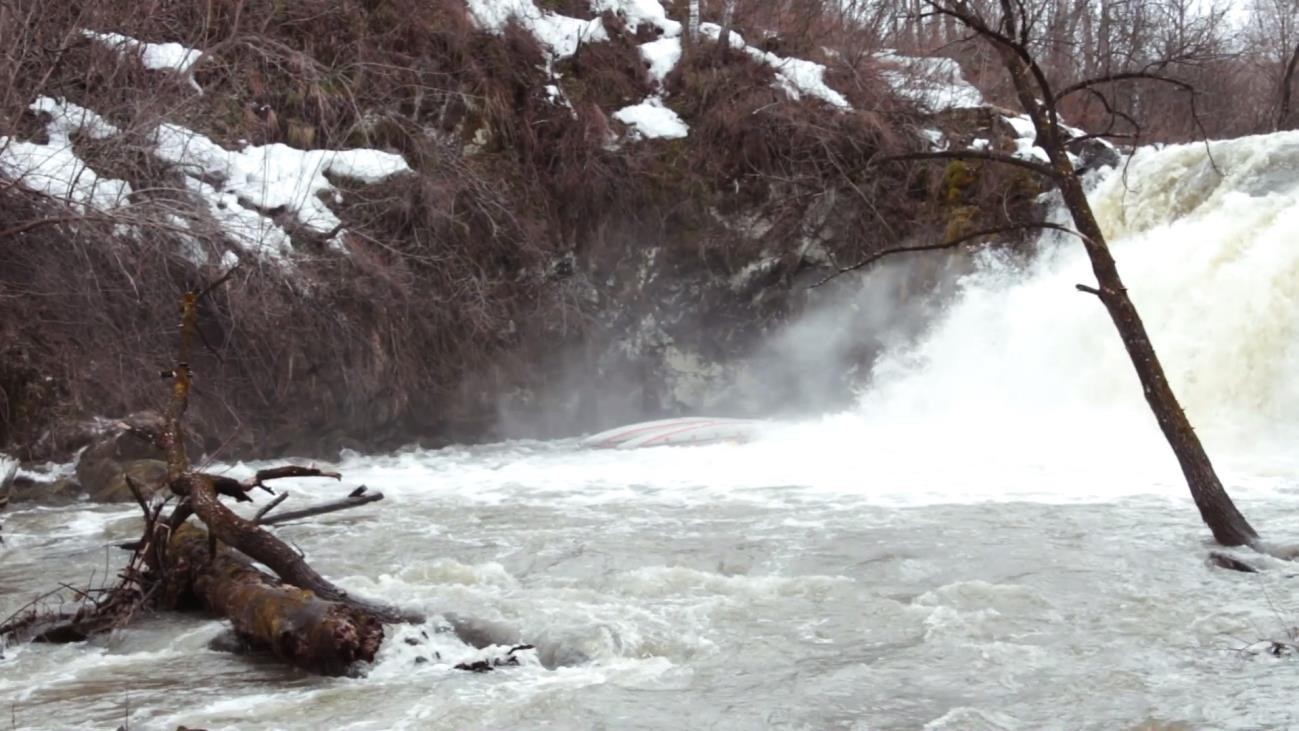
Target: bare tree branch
[(1042, 169), (1121, 76), (952, 244)]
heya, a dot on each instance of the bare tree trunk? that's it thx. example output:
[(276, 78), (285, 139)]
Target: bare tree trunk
[(724, 38), (692, 23), (1216, 508), (1104, 39), (1009, 36), (1087, 39), (1287, 82)]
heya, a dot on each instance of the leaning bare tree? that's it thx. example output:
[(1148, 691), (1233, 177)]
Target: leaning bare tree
[(1010, 29)]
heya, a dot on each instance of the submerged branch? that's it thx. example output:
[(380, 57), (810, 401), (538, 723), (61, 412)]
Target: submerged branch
[(351, 501)]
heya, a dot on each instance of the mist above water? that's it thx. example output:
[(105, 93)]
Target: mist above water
[(1020, 367)]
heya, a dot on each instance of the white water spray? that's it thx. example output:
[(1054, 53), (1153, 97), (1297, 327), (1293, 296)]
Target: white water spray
[(1020, 389), (1206, 245)]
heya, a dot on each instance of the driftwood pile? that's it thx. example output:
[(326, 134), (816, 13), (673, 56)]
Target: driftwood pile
[(196, 553)]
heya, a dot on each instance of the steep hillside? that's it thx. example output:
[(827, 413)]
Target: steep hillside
[(452, 219)]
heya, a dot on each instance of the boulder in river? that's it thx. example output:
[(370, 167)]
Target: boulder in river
[(120, 451)]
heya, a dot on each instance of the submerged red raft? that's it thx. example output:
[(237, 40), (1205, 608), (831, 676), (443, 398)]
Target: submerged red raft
[(676, 432)]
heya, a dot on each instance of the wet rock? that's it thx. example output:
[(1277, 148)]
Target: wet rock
[(230, 641), (1094, 154), (59, 491), (121, 450), (8, 471), (481, 633), (62, 440), (486, 665), (149, 474)]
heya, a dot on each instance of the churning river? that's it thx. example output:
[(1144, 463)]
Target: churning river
[(992, 536)]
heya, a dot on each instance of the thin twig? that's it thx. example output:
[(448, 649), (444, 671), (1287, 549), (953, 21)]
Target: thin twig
[(268, 507)]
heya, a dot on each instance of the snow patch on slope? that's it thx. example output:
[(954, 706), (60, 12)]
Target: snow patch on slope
[(1026, 138), (651, 119), (559, 33), (935, 83), (661, 57), (640, 12), (54, 169), (248, 228), (240, 188), (154, 56), (270, 177), (796, 76)]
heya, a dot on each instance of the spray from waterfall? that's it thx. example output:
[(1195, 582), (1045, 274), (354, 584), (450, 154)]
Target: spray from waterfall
[(1019, 369)]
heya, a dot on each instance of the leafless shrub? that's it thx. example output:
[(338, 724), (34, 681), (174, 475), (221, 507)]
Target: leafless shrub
[(448, 279)]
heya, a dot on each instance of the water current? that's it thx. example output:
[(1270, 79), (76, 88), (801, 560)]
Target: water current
[(991, 536)]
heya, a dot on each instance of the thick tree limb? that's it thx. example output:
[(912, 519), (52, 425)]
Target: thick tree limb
[(223, 524), (173, 439), (332, 506), (1042, 169), (250, 539), (238, 489), (295, 625), (300, 617)]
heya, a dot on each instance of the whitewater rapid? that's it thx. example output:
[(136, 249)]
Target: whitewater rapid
[(991, 535)]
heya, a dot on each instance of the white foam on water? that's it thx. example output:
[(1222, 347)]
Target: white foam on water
[(993, 535), (1020, 390)]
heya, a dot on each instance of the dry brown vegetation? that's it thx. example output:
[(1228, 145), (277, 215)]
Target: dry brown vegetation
[(454, 280)]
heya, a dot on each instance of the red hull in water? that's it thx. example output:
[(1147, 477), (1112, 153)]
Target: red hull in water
[(694, 430)]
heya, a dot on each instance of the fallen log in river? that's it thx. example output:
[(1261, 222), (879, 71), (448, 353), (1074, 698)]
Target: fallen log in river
[(294, 624), (296, 614)]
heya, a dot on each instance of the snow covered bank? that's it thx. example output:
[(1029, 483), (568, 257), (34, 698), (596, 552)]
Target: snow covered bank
[(933, 82), (796, 76), (242, 188), (559, 33), (271, 177), (54, 168), (651, 119), (154, 56)]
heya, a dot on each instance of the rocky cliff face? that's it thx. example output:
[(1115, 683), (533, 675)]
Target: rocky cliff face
[(461, 219)]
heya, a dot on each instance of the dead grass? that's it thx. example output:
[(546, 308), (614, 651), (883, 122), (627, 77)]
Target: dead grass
[(455, 280)]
